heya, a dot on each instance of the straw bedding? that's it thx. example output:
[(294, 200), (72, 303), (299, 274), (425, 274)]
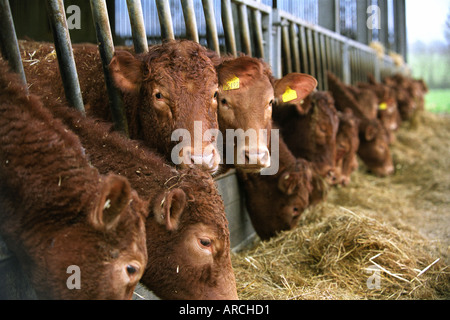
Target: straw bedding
[(377, 238)]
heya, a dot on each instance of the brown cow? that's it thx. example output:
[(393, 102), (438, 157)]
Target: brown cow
[(188, 239), (373, 137), (387, 106), (170, 87), (347, 144), (367, 100), (410, 94), (309, 125), (245, 106), (275, 202), (58, 214)]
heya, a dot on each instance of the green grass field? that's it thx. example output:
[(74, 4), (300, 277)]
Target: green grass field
[(438, 101)]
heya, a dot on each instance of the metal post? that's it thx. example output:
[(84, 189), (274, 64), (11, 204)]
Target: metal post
[(8, 40), (286, 47), (106, 48), (189, 20), (346, 69), (317, 57), (311, 58), (211, 28), (294, 45), (383, 32), (276, 44), (63, 47), (306, 68), (257, 27), (266, 21), (137, 26), (400, 27), (361, 22), (323, 56), (245, 30), (228, 27), (165, 19), (329, 14)]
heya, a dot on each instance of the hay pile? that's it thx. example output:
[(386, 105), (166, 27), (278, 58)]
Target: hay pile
[(378, 238)]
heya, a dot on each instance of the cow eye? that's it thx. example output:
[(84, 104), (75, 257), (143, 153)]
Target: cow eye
[(158, 96), (270, 102), (223, 101), (131, 269), (205, 242), (215, 95)]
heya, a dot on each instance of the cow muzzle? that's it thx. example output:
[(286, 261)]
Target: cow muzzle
[(208, 160)]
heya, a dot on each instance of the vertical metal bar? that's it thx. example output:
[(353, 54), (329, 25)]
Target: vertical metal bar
[(137, 26), (63, 47), (286, 46), (305, 63), (228, 27), (294, 45), (106, 49), (311, 59), (8, 40), (257, 28), (165, 19), (276, 44), (266, 21), (328, 52), (323, 56), (345, 63), (211, 27), (361, 20), (245, 30), (318, 59), (189, 20)]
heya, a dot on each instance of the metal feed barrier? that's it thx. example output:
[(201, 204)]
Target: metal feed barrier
[(287, 42)]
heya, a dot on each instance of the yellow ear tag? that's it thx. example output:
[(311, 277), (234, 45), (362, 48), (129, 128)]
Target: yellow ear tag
[(289, 95), (382, 106), (232, 84)]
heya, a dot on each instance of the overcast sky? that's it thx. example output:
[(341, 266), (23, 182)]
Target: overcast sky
[(425, 20)]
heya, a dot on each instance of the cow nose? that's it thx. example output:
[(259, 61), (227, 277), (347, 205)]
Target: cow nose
[(208, 161), (331, 177), (260, 157), (389, 170)]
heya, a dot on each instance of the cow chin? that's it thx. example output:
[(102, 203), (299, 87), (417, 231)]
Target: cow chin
[(248, 168)]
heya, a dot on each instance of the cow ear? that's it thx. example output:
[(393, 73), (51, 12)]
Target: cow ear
[(115, 195), (293, 88), (126, 71), (170, 208), (287, 183), (370, 132)]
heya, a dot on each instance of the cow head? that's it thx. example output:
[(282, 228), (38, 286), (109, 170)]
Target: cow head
[(107, 252), (189, 246), (245, 109), (276, 202), (308, 122), (347, 144), (173, 86), (374, 148)]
